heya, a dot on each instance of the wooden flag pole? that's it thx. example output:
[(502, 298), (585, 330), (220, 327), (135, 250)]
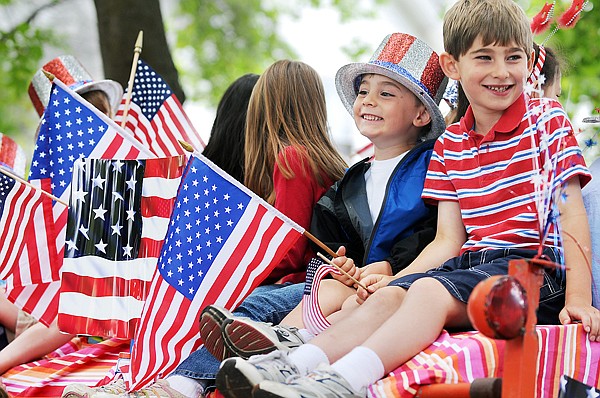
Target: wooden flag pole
[(22, 181), (137, 50)]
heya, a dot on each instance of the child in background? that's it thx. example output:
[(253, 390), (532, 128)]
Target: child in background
[(290, 162), (481, 176), (225, 146), (546, 74), (290, 159)]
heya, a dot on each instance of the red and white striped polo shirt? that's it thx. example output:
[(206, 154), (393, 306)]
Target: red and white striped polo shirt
[(492, 176)]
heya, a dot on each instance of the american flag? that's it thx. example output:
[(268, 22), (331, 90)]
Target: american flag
[(312, 316), (18, 203), (155, 115), (222, 241), (118, 217), (70, 128)]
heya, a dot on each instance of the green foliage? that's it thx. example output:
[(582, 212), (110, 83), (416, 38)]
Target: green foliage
[(228, 38), (579, 47), (21, 49)]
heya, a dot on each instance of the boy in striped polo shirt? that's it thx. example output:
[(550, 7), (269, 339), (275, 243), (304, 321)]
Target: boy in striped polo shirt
[(487, 176)]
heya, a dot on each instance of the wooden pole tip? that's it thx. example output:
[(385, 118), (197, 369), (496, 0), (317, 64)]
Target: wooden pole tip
[(49, 75), (186, 145)]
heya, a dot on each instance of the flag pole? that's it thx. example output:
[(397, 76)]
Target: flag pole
[(136, 56), (7, 173), (320, 244)]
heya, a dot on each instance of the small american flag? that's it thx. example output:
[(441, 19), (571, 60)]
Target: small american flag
[(312, 316), (71, 128), (222, 242), (18, 203), (155, 115), (118, 218)]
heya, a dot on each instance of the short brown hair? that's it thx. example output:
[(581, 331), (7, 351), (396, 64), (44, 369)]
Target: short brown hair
[(499, 22)]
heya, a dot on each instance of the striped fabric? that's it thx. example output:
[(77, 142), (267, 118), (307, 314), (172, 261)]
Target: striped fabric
[(500, 180), (463, 357), (75, 362)]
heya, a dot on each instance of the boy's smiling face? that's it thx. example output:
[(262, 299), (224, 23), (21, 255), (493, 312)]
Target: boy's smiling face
[(387, 113), (492, 76)]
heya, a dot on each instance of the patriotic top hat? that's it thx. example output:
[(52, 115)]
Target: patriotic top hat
[(12, 155), (69, 70), (410, 62)]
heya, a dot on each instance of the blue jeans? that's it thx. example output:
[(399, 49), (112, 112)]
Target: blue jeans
[(270, 303)]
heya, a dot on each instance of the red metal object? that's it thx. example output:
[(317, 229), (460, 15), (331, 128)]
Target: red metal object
[(498, 307)]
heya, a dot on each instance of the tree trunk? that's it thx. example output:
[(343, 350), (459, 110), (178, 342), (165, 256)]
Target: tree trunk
[(119, 22)]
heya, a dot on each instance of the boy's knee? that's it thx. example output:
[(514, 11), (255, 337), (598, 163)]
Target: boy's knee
[(388, 295)]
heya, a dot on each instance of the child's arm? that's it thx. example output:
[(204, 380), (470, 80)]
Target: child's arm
[(577, 247), (449, 238)]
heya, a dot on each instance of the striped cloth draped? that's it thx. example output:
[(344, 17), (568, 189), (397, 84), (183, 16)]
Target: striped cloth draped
[(463, 357)]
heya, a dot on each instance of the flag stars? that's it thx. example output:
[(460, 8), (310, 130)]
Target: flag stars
[(179, 256), (116, 229), (101, 246), (84, 231), (99, 213), (180, 269), (131, 214), (240, 206), (226, 196)]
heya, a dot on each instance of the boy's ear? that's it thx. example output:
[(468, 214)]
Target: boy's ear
[(530, 61), (449, 66), (422, 118)]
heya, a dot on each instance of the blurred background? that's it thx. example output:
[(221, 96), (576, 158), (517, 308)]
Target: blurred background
[(201, 46)]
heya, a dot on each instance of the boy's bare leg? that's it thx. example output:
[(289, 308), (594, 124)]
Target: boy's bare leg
[(426, 310), (332, 295), (358, 325)]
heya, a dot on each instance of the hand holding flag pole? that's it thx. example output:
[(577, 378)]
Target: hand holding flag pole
[(137, 50), (353, 279)]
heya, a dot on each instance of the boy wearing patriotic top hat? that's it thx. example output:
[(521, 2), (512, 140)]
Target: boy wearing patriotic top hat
[(483, 177), (394, 101)]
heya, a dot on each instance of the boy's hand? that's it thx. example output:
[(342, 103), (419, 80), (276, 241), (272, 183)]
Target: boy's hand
[(347, 264), (379, 267), (372, 283), (586, 314)]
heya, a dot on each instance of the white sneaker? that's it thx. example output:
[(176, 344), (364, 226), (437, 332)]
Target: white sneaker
[(237, 377), (159, 389), (323, 382)]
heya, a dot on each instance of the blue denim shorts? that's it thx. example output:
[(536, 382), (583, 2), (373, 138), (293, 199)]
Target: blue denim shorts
[(461, 274)]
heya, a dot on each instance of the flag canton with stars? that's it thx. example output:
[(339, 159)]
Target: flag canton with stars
[(104, 217), (311, 270), (207, 209), (6, 185), (149, 90), (69, 130)]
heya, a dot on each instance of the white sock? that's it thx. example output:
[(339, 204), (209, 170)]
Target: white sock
[(306, 335), (185, 385), (307, 357), (361, 367)]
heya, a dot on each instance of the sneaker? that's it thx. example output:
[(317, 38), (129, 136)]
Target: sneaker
[(246, 338), (159, 389), (323, 382), (212, 319), (237, 377)]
